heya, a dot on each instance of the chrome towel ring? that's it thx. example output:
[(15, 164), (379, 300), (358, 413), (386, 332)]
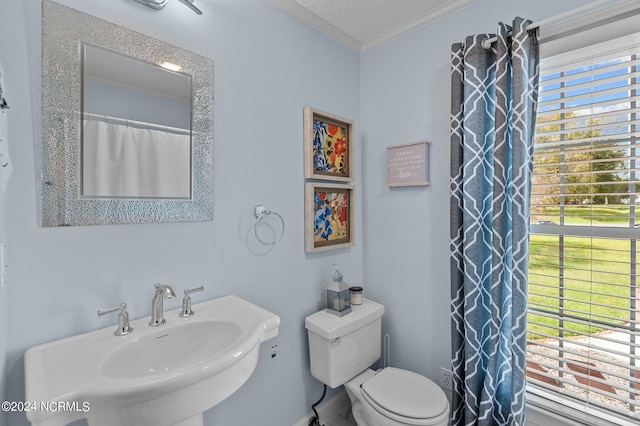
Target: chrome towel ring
[(260, 212)]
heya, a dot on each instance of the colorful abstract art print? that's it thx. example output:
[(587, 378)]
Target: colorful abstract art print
[(328, 147), (329, 217), (329, 153)]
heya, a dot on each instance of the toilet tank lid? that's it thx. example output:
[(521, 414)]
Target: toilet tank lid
[(332, 326)]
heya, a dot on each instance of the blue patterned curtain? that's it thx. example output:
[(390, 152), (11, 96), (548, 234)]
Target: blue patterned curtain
[(493, 104)]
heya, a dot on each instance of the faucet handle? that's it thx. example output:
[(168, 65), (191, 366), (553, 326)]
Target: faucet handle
[(188, 291), (102, 312), (186, 302), (124, 327)]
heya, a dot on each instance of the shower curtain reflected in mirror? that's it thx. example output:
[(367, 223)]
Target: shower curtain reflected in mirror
[(120, 161)]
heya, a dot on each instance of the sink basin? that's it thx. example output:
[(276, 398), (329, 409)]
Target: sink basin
[(170, 351), (156, 376)]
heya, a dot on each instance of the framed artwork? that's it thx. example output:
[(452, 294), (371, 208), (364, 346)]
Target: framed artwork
[(328, 146), (329, 216), (408, 164)]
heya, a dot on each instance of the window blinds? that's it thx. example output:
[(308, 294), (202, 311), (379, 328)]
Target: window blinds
[(583, 336)]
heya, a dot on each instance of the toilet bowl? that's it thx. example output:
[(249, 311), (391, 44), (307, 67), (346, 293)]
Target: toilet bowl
[(341, 350), (393, 397)]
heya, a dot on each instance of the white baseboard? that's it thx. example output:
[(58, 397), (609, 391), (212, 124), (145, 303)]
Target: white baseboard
[(335, 406)]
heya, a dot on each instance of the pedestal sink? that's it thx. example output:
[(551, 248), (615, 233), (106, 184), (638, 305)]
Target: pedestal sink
[(156, 376)]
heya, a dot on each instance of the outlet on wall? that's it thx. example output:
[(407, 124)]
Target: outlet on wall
[(446, 378)]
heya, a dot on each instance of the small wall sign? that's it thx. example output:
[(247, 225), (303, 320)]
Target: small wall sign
[(408, 164)]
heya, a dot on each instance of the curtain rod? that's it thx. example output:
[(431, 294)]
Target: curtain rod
[(486, 43), (139, 124)]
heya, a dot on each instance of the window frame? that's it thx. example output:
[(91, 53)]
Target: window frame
[(619, 19)]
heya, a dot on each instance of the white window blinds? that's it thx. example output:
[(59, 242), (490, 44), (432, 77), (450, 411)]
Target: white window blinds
[(583, 340)]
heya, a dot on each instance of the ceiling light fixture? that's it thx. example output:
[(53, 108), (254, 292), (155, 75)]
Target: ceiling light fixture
[(159, 4)]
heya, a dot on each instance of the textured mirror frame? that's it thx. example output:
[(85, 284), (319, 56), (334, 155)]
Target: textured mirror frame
[(63, 32)]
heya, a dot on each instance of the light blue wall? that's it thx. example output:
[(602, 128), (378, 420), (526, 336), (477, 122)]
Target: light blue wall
[(405, 97), (268, 67)]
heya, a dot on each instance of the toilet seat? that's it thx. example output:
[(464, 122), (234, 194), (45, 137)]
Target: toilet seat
[(406, 397)]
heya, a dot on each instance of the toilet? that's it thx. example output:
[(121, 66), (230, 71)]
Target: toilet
[(341, 350)]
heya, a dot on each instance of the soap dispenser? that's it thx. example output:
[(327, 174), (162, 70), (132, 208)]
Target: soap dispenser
[(338, 300)]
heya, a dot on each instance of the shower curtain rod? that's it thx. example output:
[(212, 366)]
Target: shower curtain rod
[(139, 124), (557, 18)]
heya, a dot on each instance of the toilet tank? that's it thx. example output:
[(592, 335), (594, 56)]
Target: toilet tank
[(342, 347)]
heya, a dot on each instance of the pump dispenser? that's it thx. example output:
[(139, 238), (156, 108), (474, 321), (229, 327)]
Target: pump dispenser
[(338, 301)]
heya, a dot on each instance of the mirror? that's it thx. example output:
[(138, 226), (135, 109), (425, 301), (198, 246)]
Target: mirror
[(136, 128), (127, 125)]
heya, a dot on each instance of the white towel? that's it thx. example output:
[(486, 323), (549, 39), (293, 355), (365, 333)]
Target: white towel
[(5, 161), (5, 172)]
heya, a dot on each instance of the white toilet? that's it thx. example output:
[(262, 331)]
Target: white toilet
[(342, 349)]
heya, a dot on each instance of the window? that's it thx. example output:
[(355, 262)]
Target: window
[(584, 300)]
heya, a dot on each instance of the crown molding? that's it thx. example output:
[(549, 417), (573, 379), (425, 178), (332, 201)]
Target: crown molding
[(314, 21), (413, 24)]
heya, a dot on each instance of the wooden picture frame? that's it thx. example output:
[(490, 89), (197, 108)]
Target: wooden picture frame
[(329, 216), (328, 146), (408, 164)]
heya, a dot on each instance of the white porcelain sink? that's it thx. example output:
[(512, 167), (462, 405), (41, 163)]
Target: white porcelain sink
[(156, 376), (173, 351)]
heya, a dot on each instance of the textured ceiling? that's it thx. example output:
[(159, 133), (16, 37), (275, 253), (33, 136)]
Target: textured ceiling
[(363, 24)]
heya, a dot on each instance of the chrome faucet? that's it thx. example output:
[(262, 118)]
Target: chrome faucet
[(163, 291)]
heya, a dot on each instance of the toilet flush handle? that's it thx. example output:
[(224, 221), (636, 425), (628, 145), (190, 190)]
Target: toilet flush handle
[(336, 341)]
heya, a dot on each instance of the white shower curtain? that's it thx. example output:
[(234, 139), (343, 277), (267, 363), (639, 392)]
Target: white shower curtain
[(123, 161)]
